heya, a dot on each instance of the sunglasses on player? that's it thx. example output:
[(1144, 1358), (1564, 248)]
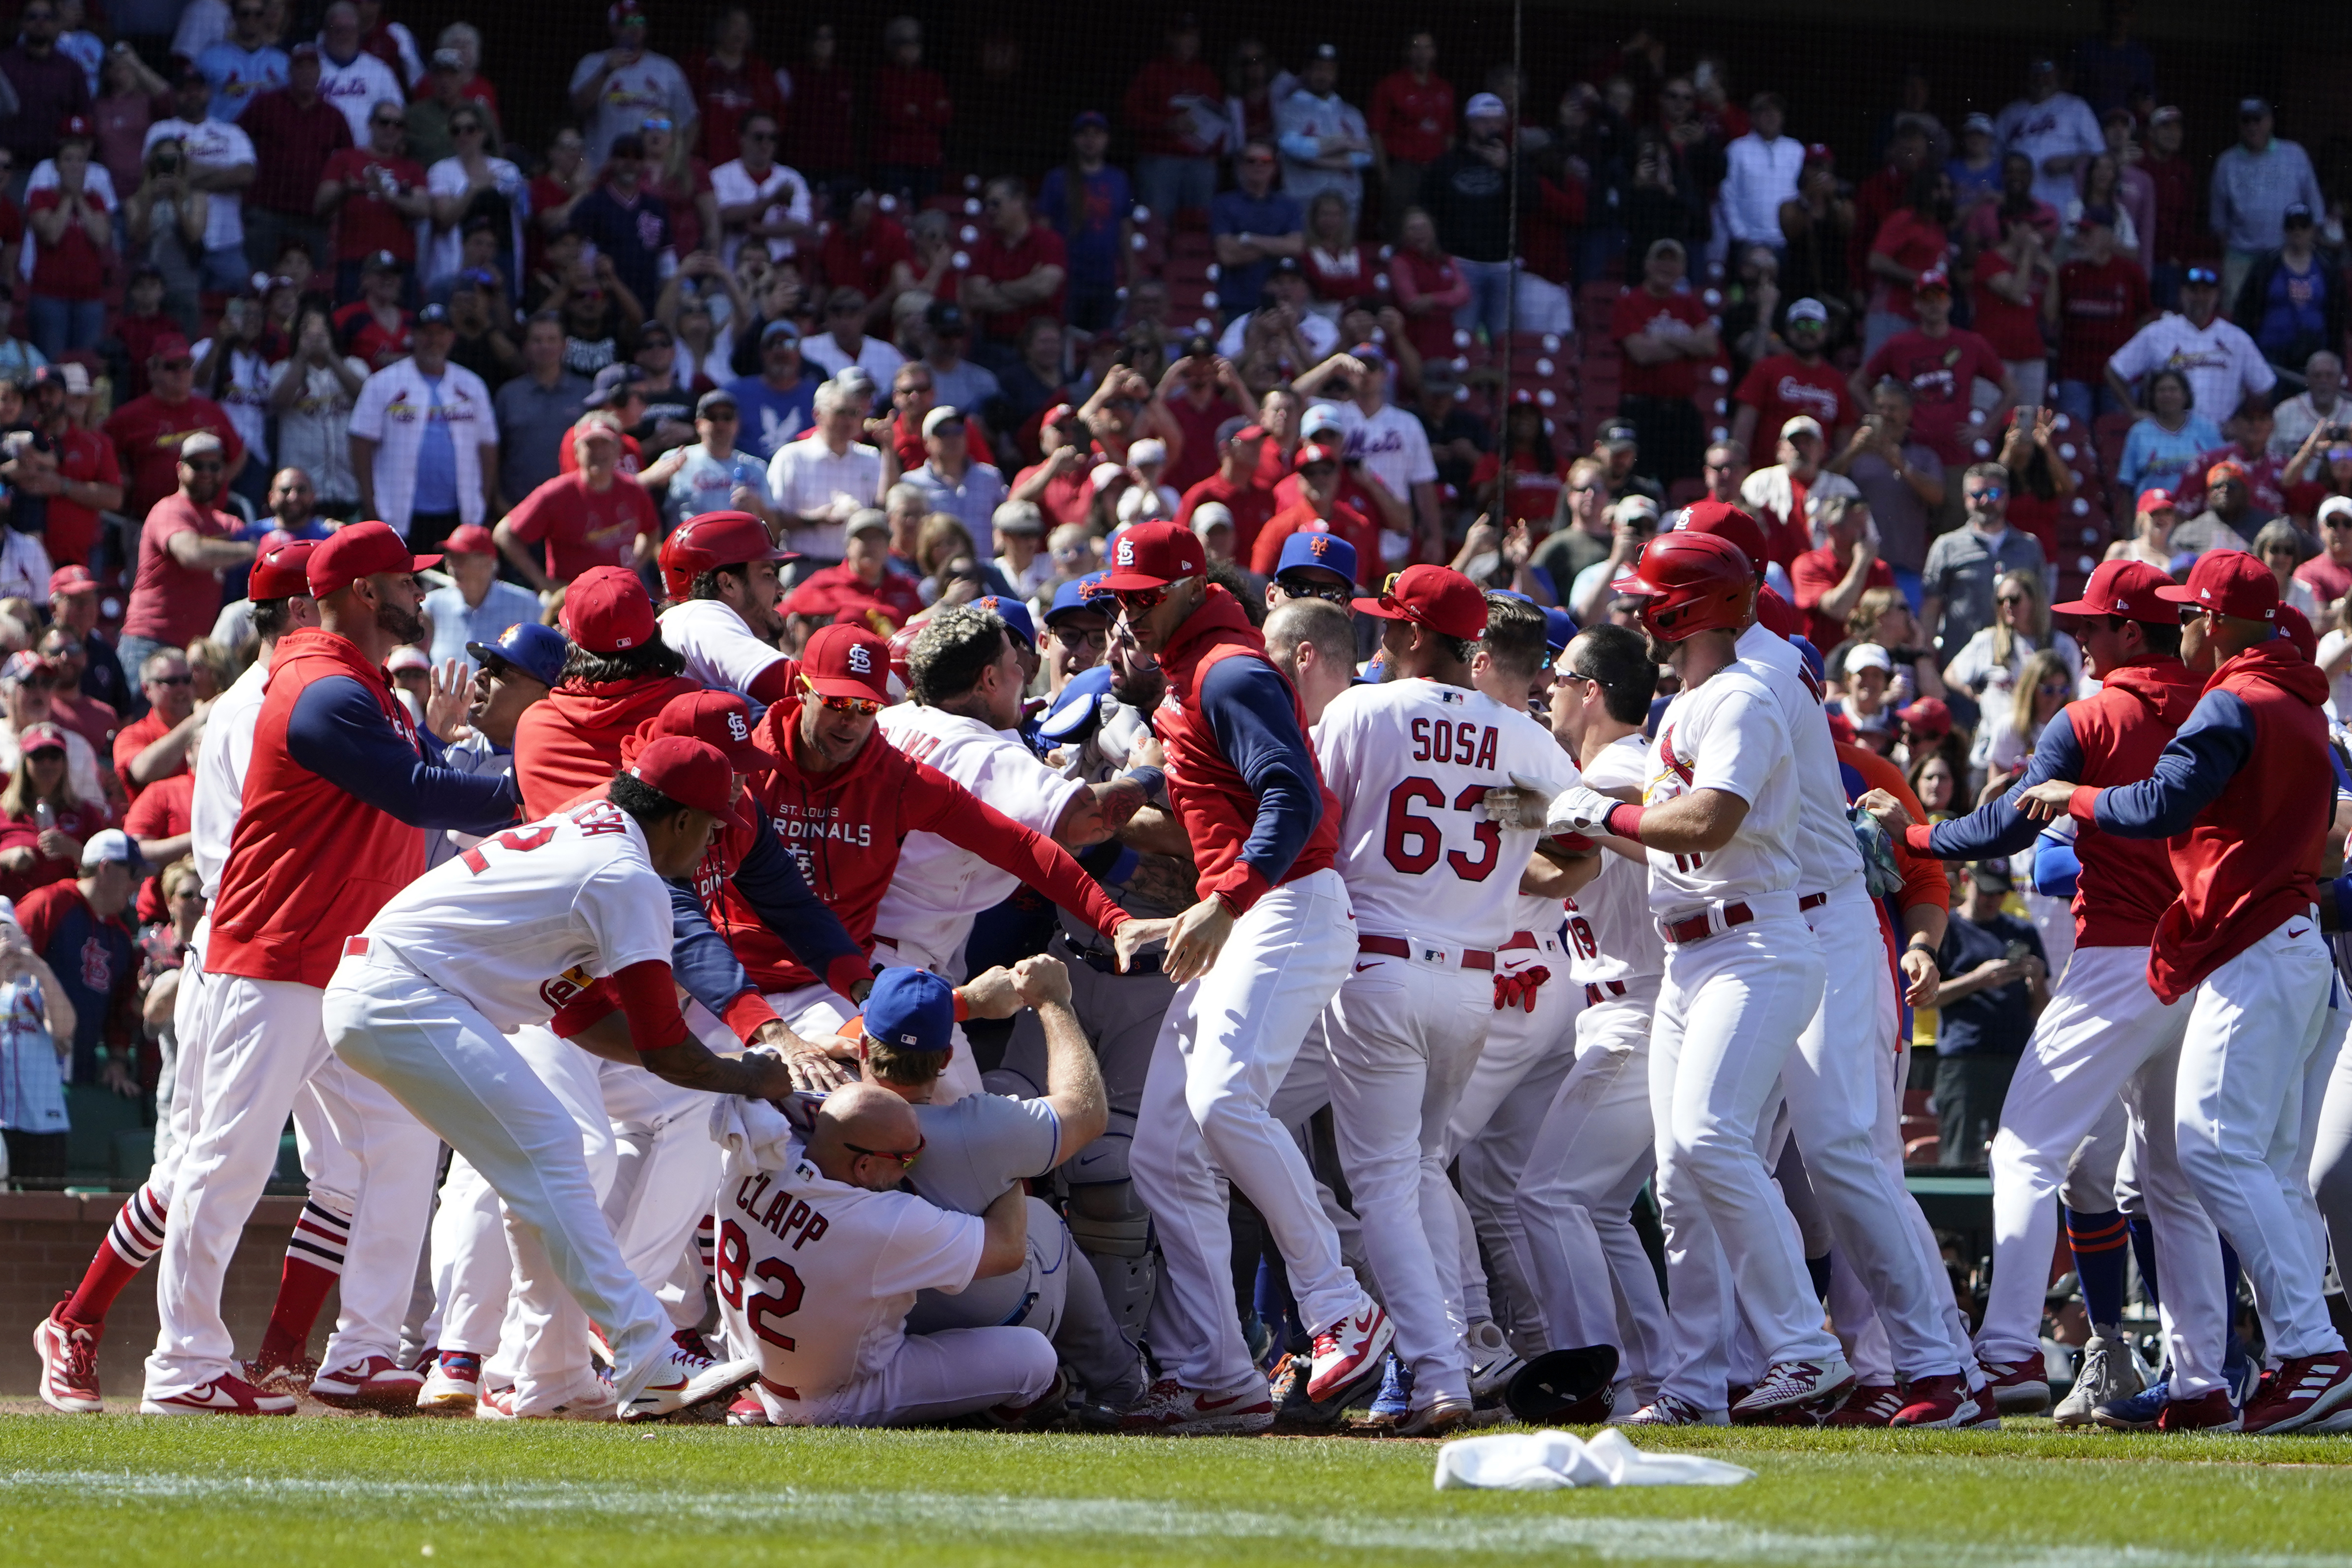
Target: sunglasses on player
[(906, 1157), (1141, 600), (863, 707)]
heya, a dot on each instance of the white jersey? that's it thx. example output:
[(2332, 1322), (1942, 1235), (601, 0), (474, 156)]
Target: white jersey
[(1611, 933), (218, 794), (520, 924), (938, 886), (1726, 734), (1411, 763), (719, 647), (855, 1257), (1827, 856)]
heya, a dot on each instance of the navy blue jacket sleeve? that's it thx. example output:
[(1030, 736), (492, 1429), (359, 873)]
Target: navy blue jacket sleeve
[(2198, 764), (770, 882), (1251, 712), (1998, 827), (699, 957), (2057, 868), (338, 732)]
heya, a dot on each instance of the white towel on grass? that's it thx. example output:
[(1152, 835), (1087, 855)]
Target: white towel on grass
[(1545, 1461)]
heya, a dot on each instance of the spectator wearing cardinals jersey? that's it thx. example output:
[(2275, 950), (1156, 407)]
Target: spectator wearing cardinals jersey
[(425, 439), (1318, 510), (1801, 382), (1239, 445), (1941, 364), (185, 543), (1831, 581), (595, 516), (149, 431), (863, 583), (1664, 331), (720, 571)]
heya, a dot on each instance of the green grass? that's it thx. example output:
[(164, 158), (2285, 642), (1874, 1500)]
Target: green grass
[(116, 1489)]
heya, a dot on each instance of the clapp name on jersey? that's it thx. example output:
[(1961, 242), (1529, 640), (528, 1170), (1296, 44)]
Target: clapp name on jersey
[(784, 1214), (1470, 745)]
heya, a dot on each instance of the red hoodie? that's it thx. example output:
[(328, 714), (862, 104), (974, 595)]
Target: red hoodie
[(570, 743)]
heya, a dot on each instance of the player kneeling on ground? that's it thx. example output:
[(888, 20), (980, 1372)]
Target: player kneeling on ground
[(514, 931)]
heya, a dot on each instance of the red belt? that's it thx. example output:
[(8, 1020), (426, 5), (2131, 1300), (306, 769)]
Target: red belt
[(1397, 947), (1600, 989), (1698, 926), (1812, 901), (1520, 939)]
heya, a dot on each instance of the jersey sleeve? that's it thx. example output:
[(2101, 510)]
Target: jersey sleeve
[(928, 1248), (1255, 718), (937, 804), (627, 910), (706, 969), (1998, 827), (2197, 765), (338, 732), (1742, 742)]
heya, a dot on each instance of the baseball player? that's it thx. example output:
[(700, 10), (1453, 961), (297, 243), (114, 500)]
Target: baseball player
[(2239, 791), (67, 1339), (619, 674), (2105, 1032), (1595, 1148), (336, 788), (1832, 1083), (720, 573), (844, 801), (549, 923), (1256, 960), (1432, 879), (1720, 821), (825, 1223)]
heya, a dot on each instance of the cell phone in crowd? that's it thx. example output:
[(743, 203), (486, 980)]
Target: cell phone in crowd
[(44, 815), (2015, 950)]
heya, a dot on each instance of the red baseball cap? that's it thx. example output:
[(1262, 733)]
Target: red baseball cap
[(1313, 452), (170, 345), (72, 580), (1732, 526), (1934, 280), (1437, 597), (692, 773), (2228, 583), (2156, 497), (606, 609), (2127, 588), (1777, 615), (41, 738), (469, 539), (282, 571), (2296, 627), (713, 539), (1152, 555), (720, 718), (847, 661), (363, 550), (1930, 718)]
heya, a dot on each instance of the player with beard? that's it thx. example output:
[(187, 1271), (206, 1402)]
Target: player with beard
[(338, 791), (720, 571)]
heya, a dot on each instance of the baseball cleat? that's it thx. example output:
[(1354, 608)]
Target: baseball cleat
[(1941, 1401), (2106, 1374), (1671, 1410), (2208, 1412), (2138, 1412), (291, 1378), (223, 1396), (1350, 1349), (689, 1379), (2305, 1392), (1039, 1413), (1492, 1362), (1870, 1405), (453, 1385), (2018, 1387), (1169, 1409), (372, 1382), (1394, 1403), (1287, 1388), (599, 1405), (692, 1342), (1796, 1393), (747, 1411), (1441, 1416), (69, 1355)]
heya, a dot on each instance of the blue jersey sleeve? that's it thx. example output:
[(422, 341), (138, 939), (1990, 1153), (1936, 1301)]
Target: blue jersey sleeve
[(699, 957), (2198, 764), (1251, 712), (339, 732), (1997, 827)]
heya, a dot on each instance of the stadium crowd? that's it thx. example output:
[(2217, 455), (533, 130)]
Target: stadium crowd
[(771, 407)]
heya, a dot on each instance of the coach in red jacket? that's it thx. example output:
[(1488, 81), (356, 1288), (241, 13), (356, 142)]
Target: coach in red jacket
[(2243, 792), (1256, 960)]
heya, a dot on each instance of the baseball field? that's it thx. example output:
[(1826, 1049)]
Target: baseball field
[(279, 1493)]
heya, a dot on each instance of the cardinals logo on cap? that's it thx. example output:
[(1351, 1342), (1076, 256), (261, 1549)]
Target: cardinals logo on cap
[(860, 660), (1127, 553), (736, 728)]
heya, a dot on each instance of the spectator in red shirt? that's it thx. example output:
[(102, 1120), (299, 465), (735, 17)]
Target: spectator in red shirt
[(863, 579), (373, 329), (1831, 581), (158, 823), (1941, 364), (34, 852), (184, 545), (1339, 267), (1202, 393), (73, 243), (729, 81), (1017, 271), (1880, 193), (593, 517), (1173, 109), (1778, 387), (155, 745), (869, 252), (1428, 286), (1319, 509), (1664, 331), (2180, 234), (296, 133), (911, 108), (2328, 574), (1057, 484), (2010, 282), (1411, 119), (1237, 444), (2100, 301), (148, 432), (1914, 240), (376, 196)]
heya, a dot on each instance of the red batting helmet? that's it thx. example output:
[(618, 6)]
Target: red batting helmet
[(714, 539), (1689, 583)]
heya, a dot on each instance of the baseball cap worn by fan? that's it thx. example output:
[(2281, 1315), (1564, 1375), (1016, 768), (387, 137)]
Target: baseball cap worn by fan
[(911, 1010), (1870, 655), (22, 666), (1808, 310), (407, 655), (537, 650), (1929, 720), (363, 550), (469, 539), (695, 773), (1437, 597), (1152, 555), (2156, 499), (2228, 583), (282, 572), (111, 846), (605, 610), (2126, 588), (39, 738), (847, 661), (72, 580)]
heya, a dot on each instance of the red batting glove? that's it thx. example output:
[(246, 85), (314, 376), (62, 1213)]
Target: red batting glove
[(1530, 981), (1507, 991)]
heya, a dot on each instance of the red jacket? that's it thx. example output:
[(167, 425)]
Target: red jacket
[(845, 828), (570, 743)]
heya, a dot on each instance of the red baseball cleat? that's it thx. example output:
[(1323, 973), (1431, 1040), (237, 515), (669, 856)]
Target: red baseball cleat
[(69, 1365), (223, 1396), (1942, 1401), (1350, 1349), (1870, 1405)]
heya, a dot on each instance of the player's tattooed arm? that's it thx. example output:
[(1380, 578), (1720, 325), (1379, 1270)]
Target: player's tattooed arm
[(1164, 881), (1155, 832), (689, 1064)]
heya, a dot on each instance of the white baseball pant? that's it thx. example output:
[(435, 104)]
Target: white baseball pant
[(1404, 1036), (192, 1019), (2106, 1039), (471, 1085), (1057, 1294), (814, 1012), (1595, 1150), (933, 1377), (2331, 1150), (473, 1272), (2316, 1075), (1730, 1007), (371, 1163), (1224, 1048), (1833, 1088), (2253, 1026), (666, 1168)]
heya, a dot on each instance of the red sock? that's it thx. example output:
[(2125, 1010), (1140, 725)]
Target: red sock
[(110, 1271), (301, 1291)]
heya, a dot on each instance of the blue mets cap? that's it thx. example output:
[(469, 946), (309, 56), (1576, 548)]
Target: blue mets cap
[(1326, 552), (537, 650), (911, 1010), (1014, 614), (1082, 594), (1560, 627)]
